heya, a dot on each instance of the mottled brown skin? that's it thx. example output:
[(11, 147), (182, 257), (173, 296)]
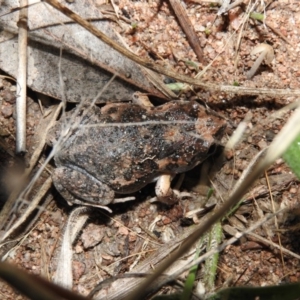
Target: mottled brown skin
[(97, 162)]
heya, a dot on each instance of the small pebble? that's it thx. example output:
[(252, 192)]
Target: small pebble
[(262, 144), (7, 111), (9, 96)]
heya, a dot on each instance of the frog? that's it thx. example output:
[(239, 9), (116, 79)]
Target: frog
[(118, 149)]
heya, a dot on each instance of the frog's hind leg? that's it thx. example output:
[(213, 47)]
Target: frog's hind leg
[(80, 188)]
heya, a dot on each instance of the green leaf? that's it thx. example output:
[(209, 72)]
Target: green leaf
[(257, 16), (207, 31), (134, 25), (176, 86), (192, 64), (211, 263), (190, 280), (210, 193), (292, 156)]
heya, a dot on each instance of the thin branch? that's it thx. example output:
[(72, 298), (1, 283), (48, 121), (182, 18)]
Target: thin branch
[(21, 81), (187, 28)]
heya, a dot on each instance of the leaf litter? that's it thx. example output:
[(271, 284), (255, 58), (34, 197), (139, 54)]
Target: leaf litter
[(248, 262)]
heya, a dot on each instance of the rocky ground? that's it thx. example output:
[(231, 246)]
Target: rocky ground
[(113, 243)]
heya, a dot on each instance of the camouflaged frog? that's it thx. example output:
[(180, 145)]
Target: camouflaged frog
[(121, 147)]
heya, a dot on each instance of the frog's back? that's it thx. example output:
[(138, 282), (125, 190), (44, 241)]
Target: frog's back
[(126, 146)]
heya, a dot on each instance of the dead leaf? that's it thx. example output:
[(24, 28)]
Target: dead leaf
[(86, 62)]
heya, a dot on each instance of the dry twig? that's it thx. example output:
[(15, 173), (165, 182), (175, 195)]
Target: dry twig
[(187, 28), (21, 81)]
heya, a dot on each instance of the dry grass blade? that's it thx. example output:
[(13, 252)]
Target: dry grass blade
[(76, 220), (266, 53)]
